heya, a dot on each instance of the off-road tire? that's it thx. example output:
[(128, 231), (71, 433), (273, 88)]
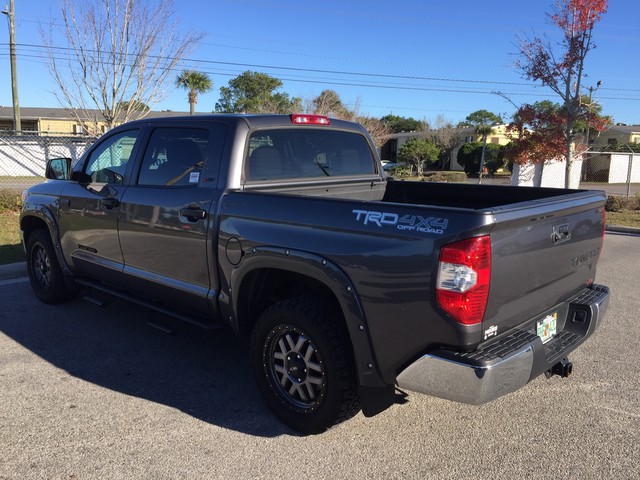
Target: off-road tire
[(304, 365), (45, 274)]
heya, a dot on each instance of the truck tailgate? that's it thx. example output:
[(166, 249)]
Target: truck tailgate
[(541, 259)]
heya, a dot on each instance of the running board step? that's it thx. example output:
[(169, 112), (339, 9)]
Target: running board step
[(156, 307)]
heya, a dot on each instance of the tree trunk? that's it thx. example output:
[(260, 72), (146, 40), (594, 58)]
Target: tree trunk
[(193, 99), (567, 169), (484, 151), (569, 143)]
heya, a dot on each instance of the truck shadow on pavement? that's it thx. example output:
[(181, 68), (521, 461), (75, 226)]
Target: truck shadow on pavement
[(11, 253), (203, 374)]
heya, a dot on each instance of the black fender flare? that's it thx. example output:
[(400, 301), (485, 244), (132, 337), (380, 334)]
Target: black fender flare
[(44, 214), (328, 274)]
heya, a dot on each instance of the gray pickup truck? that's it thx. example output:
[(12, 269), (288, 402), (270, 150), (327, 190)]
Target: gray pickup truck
[(350, 285)]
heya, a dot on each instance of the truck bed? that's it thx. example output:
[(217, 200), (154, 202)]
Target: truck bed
[(531, 273), (446, 195), (469, 196)]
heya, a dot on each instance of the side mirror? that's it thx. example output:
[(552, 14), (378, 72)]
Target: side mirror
[(58, 169)]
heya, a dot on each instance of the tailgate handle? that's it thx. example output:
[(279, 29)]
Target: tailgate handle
[(561, 233)]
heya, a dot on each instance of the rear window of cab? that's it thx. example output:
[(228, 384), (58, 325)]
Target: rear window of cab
[(305, 153)]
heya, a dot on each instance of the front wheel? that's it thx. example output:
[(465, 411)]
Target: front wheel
[(45, 274), (304, 365)]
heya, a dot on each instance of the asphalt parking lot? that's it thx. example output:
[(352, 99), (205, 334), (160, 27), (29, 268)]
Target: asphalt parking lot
[(90, 392)]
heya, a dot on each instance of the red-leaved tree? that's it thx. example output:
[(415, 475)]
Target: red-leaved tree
[(538, 131), (562, 70)]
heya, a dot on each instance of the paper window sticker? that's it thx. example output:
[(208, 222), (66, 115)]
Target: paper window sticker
[(194, 177)]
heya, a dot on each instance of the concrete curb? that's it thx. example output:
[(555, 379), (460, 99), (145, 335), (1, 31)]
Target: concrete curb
[(617, 229), (17, 270)]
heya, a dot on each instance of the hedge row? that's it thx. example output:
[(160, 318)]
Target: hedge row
[(618, 204), (10, 201), (457, 177), (445, 176)]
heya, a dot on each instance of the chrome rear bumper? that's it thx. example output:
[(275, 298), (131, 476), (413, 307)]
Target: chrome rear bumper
[(465, 383), (507, 364)]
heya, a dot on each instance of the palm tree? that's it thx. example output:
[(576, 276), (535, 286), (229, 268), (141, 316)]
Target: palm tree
[(195, 83), (483, 120), (485, 131)]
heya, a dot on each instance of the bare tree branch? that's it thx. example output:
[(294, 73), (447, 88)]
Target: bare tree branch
[(116, 55)]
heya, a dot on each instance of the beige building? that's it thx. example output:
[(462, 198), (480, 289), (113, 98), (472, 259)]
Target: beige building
[(618, 134), (57, 121), (498, 135), (389, 150)]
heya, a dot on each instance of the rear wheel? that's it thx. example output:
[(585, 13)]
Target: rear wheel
[(304, 364), (45, 274)]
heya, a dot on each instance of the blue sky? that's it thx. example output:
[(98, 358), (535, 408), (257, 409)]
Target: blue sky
[(411, 58)]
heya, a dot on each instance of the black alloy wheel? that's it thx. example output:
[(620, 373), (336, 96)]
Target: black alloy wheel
[(303, 363)]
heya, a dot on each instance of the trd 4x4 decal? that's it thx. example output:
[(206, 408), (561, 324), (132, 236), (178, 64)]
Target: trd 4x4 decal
[(412, 223)]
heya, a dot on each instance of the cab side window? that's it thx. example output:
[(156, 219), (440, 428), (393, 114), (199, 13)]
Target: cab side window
[(108, 162), (174, 157)]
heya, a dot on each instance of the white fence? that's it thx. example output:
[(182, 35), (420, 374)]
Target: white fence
[(23, 157), (550, 174), (594, 167), (624, 168)]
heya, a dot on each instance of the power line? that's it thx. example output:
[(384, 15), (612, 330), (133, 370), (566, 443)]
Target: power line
[(38, 47), (313, 70), (324, 81), (65, 53), (339, 83)]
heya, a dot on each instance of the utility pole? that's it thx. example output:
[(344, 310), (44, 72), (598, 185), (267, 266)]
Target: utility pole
[(591, 90), (14, 74)]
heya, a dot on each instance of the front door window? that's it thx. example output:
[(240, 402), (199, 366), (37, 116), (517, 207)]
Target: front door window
[(108, 162)]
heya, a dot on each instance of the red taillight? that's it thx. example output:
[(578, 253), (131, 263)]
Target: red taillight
[(464, 274), (310, 119)]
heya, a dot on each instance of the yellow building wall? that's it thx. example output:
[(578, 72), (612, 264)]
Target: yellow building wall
[(498, 135), (65, 126)]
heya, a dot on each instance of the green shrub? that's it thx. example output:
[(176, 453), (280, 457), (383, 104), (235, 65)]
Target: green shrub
[(417, 152), (470, 154), (618, 204), (400, 171), (454, 177), (10, 201), (613, 204)]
